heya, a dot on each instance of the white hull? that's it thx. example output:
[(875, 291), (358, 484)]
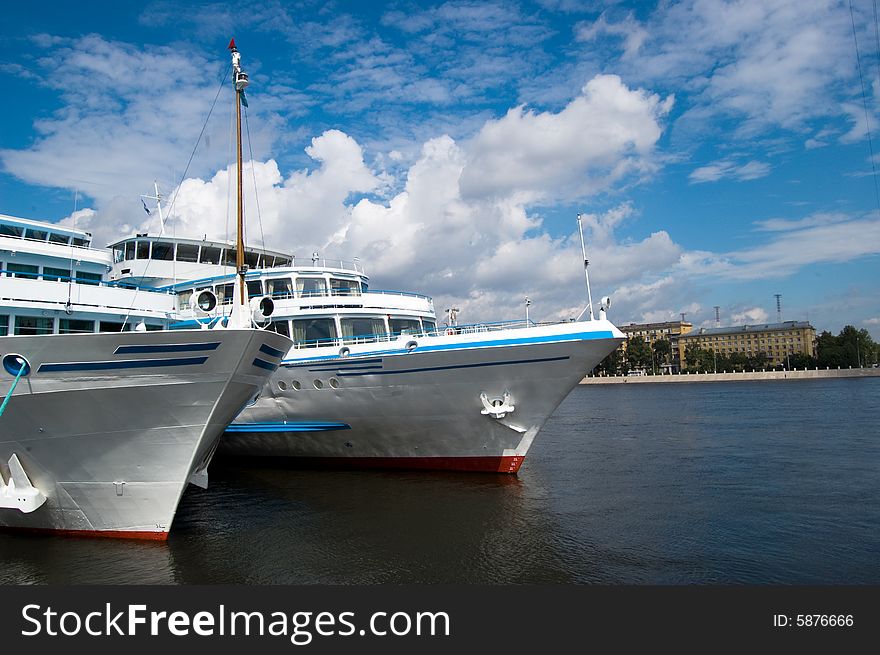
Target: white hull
[(387, 406), (110, 427)]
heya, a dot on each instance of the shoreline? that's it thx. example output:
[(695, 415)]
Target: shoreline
[(807, 374)]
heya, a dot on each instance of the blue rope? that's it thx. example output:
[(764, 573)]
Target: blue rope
[(12, 388)]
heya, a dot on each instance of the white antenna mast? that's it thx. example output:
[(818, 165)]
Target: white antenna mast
[(586, 269), (158, 199)]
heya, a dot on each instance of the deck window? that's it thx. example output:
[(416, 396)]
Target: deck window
[(36, 235), (56, 274), (4, 325), (280, 288), (88, 278), (254, 288), (11, 230), (404, 326), (183, 299), (163, 251), (312, 332), (311, 286), (79, 241), (229, 257), (187, 252), (343, 287), (209, 255), (75, 326), (362, 328), (143, 250), (224, 293), (280, 326), (111, 326), (428, 326), (34, 325), (23, 270), (252, 259)]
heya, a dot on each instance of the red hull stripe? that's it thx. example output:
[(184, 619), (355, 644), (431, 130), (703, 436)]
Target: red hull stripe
[(104, 534), (510, 464)]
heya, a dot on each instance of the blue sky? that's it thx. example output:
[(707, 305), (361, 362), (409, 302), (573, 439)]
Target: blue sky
[(718, 149)]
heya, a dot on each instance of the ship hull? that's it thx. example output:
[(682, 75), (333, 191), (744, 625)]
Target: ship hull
[(110, 427), (421, 408)]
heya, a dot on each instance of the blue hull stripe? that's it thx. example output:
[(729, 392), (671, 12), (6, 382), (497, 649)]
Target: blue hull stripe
[(166, 348), (272, 352), (454, 366), (343, 367), (262, 363), (334, 359), (128, 363), (296, 426), (522, 341)]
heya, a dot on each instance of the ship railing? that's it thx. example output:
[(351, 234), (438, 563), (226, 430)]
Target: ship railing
[(449, 330), (111, 284), (323, 262)]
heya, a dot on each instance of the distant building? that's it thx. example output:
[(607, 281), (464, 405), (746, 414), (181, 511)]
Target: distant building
[(651, 332), (776, 340)]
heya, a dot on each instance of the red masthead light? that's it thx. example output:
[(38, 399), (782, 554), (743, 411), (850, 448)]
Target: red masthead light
[(232, 44)]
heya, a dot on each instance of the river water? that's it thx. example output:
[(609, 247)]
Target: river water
[(745, 482)]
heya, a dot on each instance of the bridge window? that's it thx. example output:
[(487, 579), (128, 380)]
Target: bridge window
[(56, 274), (79, 241), (224, 293), (11, 231), (354, 328), (312, 332), (252, 259), (118, 253), (129, 250), (75, 326), (187, 252), (209, 255), (280, 288), (143, 250), (34, 325), (163, 251), (428, 326), (36, 235), (311, 286), (343, 287), (229, 257), (23, 270), (281, 327), (404, 326), (59, 238)]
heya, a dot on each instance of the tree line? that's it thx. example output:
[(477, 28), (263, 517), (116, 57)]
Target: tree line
[(851, 348)]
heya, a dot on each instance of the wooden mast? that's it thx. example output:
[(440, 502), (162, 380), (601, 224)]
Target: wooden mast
[(240, 80)]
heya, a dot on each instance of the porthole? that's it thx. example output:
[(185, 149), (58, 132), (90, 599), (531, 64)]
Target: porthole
[(334, 383), (282, 385), (318, 384), (412, 345), (344, 352), (296, 385)]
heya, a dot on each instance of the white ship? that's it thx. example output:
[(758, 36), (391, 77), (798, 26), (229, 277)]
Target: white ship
[(107, 416)]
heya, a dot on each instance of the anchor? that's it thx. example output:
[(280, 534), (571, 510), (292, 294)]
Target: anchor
[(497, 407), (19, 494)]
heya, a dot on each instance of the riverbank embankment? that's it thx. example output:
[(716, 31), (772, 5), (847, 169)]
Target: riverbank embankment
[(808, 374)]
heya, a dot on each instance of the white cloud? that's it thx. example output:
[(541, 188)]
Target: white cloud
[(749, 316), (599, 137), (726, 168)]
